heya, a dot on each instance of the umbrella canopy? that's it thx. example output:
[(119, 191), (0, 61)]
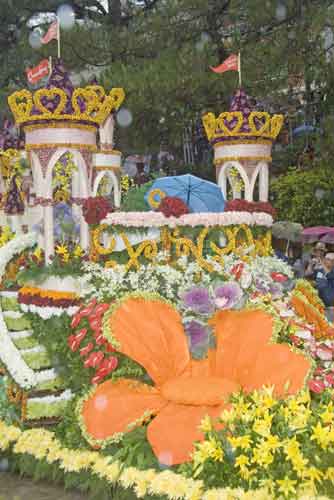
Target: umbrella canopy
[(198, 194), (312, 234), (328, 237), (287, 230), (304, 129)]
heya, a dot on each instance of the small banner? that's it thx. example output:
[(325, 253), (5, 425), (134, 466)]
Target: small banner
[(38, 72), (51, 34), (230, 64)]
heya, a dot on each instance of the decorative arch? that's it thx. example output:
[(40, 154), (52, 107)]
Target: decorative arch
[(80, 190), (222, 178), (37, 173), (115, 184)]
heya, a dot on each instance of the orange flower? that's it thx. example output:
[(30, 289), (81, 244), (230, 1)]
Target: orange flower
[(151, 333)]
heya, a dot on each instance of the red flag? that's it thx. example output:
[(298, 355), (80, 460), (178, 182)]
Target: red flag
[(51, 34), (230, 64), (35, 74)]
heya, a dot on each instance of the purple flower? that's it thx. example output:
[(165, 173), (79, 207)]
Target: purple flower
[(261, 286), (197, 333), (198, 299), (228, 295), (276, 290)]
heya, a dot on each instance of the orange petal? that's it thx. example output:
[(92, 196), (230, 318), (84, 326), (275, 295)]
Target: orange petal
[(240, 337), (116, 405), (173, 432), (245, 354), (151, 333), (278, 365)]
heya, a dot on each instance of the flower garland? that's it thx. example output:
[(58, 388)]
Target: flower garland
[(10, 356), (250, 206), (48, 312), (29, 295), (312, 315), (157, 219), (42, 444)]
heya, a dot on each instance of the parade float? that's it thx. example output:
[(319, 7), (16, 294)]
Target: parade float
[(164, 353)]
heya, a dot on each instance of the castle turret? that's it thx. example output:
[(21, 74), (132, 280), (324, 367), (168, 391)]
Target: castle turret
[(242, 139)]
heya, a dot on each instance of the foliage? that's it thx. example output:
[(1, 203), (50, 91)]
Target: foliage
[(295, 196), (164, 67), (8, 411), (134, 199), (67, 363), (67, 261)]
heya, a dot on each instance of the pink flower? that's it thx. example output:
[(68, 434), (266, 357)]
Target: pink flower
[(324, 353), (279, 277), (316, 386), (329, 379)]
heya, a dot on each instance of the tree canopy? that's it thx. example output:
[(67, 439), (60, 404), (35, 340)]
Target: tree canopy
[(160, 52)]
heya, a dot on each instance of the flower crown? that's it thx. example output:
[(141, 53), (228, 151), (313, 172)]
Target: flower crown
[(234, 124), (89, 104)]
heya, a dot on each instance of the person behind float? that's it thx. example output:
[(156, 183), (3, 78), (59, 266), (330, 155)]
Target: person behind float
[(325, 284), (316, 261)]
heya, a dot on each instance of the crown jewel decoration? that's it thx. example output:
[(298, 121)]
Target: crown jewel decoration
[(59, 100), (242, 122)]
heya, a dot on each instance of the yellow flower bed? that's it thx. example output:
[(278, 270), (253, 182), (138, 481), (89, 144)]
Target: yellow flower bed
[(42, 445)]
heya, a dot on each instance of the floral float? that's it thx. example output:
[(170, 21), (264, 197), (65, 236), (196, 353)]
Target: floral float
[(150, 331)]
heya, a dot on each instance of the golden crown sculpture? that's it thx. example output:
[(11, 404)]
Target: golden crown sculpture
[(29, 107), (229, 124)]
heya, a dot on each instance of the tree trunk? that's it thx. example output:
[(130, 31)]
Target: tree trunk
[(115, 12)]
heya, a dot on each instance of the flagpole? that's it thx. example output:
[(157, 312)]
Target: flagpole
[(58, 37), (239, 68), (50, 65)]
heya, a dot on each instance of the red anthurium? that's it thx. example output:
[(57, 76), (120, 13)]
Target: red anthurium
[(75, 320), (81, 334), (108, 365), (100, 340), (97, 379), (279, 277), (88, 310), (237, 270), (101, 309), (94, 360), (85, 350), (95, 323), (316, 386), (73, 342)]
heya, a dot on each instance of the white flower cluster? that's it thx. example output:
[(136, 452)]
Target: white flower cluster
[(64, 396), (172, 281), (15, 246), (208, 219), (48, 312), (10, 356)]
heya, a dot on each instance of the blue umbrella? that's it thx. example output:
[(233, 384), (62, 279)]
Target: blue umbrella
[(304, 129), (198, 194)]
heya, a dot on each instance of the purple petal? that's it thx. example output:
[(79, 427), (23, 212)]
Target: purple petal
[(228, 295)]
